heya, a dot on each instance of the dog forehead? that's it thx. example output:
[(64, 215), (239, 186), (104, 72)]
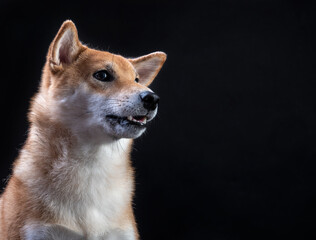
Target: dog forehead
[(100, 59)]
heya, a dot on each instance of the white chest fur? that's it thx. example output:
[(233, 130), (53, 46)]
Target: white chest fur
[(86, 189)]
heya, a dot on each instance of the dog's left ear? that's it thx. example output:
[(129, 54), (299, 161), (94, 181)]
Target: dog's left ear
[(148, 66)]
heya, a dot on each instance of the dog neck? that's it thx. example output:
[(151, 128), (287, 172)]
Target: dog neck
[(73, 173)]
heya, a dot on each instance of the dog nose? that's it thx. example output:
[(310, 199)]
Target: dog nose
[(149, 99)]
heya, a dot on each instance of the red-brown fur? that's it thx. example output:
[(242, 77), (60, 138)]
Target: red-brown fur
[(48, 135)]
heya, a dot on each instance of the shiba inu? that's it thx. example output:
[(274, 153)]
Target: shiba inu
[(73, 178)]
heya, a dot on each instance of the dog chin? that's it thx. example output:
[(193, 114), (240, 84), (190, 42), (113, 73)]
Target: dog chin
[(119, 128), (128, 131), (125, 127)]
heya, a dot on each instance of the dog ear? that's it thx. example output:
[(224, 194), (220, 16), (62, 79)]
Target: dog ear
[(148, 66), (65, 47)]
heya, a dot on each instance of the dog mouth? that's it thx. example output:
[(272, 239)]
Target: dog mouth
[(140, 120)]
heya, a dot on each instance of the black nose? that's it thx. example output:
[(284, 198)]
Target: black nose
[(149, 99)]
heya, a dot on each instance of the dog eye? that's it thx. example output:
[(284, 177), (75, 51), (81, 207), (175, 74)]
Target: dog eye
[(136, 80), (103, 76)]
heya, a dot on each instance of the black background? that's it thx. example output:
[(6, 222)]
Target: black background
[(231, 154)]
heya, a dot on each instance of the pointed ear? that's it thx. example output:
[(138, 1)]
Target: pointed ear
[(65, 47), (148, 66)]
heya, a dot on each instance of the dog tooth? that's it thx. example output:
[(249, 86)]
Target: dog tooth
[(130, 118)]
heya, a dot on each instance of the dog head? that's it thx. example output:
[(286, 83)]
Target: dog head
[(98, 93)]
